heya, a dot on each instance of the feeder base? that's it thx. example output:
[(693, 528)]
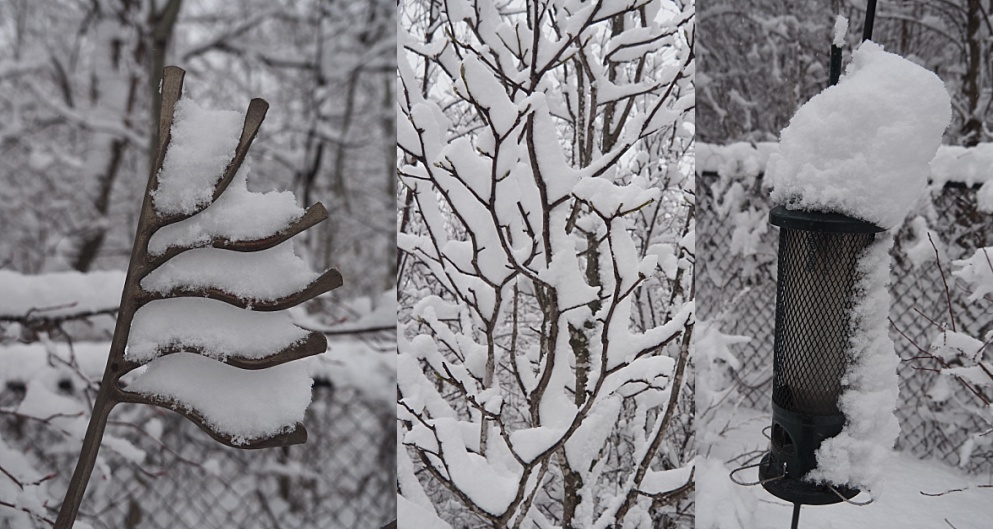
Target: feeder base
[(799, 491)]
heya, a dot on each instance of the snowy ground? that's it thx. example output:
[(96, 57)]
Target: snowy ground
[(723, 505)]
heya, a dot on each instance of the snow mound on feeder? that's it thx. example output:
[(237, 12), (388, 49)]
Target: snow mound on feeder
[(862, 147)]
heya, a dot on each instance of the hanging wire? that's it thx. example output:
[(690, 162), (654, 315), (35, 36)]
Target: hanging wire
[(753, 483), (848, 501)]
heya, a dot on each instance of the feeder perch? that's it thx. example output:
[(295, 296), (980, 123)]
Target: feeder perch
[(815, 295)]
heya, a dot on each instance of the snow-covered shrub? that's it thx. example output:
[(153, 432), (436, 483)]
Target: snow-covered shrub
[(966, 361), (547, 238)]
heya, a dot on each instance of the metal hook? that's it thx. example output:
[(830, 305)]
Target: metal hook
[(753, 483), (846, 500)]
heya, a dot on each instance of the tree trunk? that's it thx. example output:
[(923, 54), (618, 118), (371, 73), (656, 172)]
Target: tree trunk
[(972, 125)]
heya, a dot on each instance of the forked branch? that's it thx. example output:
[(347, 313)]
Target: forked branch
[(133, 297)]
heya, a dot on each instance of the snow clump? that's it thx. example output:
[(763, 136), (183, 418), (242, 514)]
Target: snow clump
[(861, 148)]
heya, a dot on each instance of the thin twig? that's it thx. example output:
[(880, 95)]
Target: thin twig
[(948, 295), (25, 509)]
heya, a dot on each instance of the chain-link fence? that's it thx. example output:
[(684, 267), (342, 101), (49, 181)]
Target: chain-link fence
[(736, 279), (343, 477)]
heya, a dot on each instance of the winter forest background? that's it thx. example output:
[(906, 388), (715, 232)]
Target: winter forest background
[(762, 59), (78, 111)]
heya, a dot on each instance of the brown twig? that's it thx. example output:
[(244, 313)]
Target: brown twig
[(948, 294), (949, 491), (25, 509)]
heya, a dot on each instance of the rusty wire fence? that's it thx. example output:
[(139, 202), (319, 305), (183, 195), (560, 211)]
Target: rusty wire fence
[(736, 281), (344, 477)]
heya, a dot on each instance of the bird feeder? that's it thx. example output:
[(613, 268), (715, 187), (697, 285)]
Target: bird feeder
[(815, 296)]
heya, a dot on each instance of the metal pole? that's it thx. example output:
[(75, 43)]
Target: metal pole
[(870, 17), (835, 65), (796, 516)]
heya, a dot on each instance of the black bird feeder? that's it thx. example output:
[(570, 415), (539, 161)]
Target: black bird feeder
[(815, 295)]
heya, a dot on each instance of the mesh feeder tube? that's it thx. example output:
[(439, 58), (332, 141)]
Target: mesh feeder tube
[(815, 296)]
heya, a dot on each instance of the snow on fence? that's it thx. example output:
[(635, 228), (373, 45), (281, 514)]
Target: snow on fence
[(343, 477), (161, 472), (737, 283)]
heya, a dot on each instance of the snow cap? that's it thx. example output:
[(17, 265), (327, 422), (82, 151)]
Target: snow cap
[(862, 147)]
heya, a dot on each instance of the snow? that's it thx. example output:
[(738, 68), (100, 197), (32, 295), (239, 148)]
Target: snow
[(840, 29), (262, 275), (984, 197), (624, 344), (490, 487), (919, 248), (59, 294), (609, 199), (26, 496), (41, 401), (237, 215), (217, 328), (735, 159), (667, 259), (949, 345), (244, 404), (862, 147), (558, 176), (416, 395), (478, 84), (352, 363), (860, 453), (529, 443), (125, 448), (977, 272), (723, 505), (203, 143), (967, 165), (662, 481), (24, 362), (951, 163), (154, 428), (413, 516), (583, 447), (977, 375), (382, 314), (636, 43), (749, 227)]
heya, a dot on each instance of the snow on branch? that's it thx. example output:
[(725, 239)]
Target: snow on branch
[(58, 296), (188, 337)]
